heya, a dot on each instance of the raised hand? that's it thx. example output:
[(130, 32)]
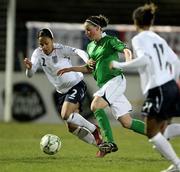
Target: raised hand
[(27, 63)]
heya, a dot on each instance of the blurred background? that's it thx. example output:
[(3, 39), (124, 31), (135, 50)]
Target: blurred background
[(23, 99)]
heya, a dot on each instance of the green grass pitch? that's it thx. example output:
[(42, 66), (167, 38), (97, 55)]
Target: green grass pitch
[(20, 152)]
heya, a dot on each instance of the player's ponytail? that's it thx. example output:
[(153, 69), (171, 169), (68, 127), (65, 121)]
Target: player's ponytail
[(144, 15)]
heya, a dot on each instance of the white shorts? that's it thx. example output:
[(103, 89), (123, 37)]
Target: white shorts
[(113, 93)]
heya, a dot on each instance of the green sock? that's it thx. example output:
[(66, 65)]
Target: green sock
[(138, 126), (104, 124)]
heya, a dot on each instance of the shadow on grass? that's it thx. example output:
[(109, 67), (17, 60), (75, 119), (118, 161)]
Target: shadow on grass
[(85, 159), (40, 159)]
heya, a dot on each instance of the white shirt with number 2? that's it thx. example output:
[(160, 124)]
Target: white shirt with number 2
[(59, 58)]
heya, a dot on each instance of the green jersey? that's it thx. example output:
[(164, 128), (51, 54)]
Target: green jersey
[(103, 52)]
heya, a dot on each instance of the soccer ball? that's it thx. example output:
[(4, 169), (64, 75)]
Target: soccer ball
[(50, 144)]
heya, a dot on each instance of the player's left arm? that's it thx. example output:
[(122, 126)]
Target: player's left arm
[(82, 54), (71, 52), (122, 48)]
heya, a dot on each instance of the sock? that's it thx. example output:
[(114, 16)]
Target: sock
[(78, 120), (172, 130), (104, 124), (138, 126), (165, 148), (85, 135)]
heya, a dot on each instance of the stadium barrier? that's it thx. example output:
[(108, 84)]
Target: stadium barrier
[(33, 99)]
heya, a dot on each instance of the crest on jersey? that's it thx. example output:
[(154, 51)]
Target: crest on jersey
[(54, 59)]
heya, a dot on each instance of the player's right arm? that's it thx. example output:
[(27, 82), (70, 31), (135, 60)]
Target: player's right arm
[(139, 62), (27, 63), (31, 65), (133, 64)]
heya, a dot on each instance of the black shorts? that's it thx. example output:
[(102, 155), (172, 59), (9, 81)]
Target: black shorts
[(75, 95), (163, 102)]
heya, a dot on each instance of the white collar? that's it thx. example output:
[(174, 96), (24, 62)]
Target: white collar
[(103, 34)]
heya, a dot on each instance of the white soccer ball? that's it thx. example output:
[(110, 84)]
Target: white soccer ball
[(50, 144)]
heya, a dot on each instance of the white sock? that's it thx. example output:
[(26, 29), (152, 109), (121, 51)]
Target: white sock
[(172, 130), (165, 148), (78, 120), (85, 135)]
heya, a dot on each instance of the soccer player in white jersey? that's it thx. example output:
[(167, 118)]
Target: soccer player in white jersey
[(154, 57), (71, 89)]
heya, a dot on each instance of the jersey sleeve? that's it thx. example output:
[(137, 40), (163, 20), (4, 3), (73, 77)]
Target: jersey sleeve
[(171, 54), (117, 44), (141, 60), (137, 48), (70, 52), (35, 64), (174, 60), (35, 60), (177, 70), (82, 54), (133, 64)]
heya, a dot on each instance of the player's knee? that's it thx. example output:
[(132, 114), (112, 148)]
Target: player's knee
[(65, 115), (93, 107), (126, 123), (67, 112), (125, 120)]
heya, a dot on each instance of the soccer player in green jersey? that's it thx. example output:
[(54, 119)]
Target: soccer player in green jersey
[(102, 50)]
